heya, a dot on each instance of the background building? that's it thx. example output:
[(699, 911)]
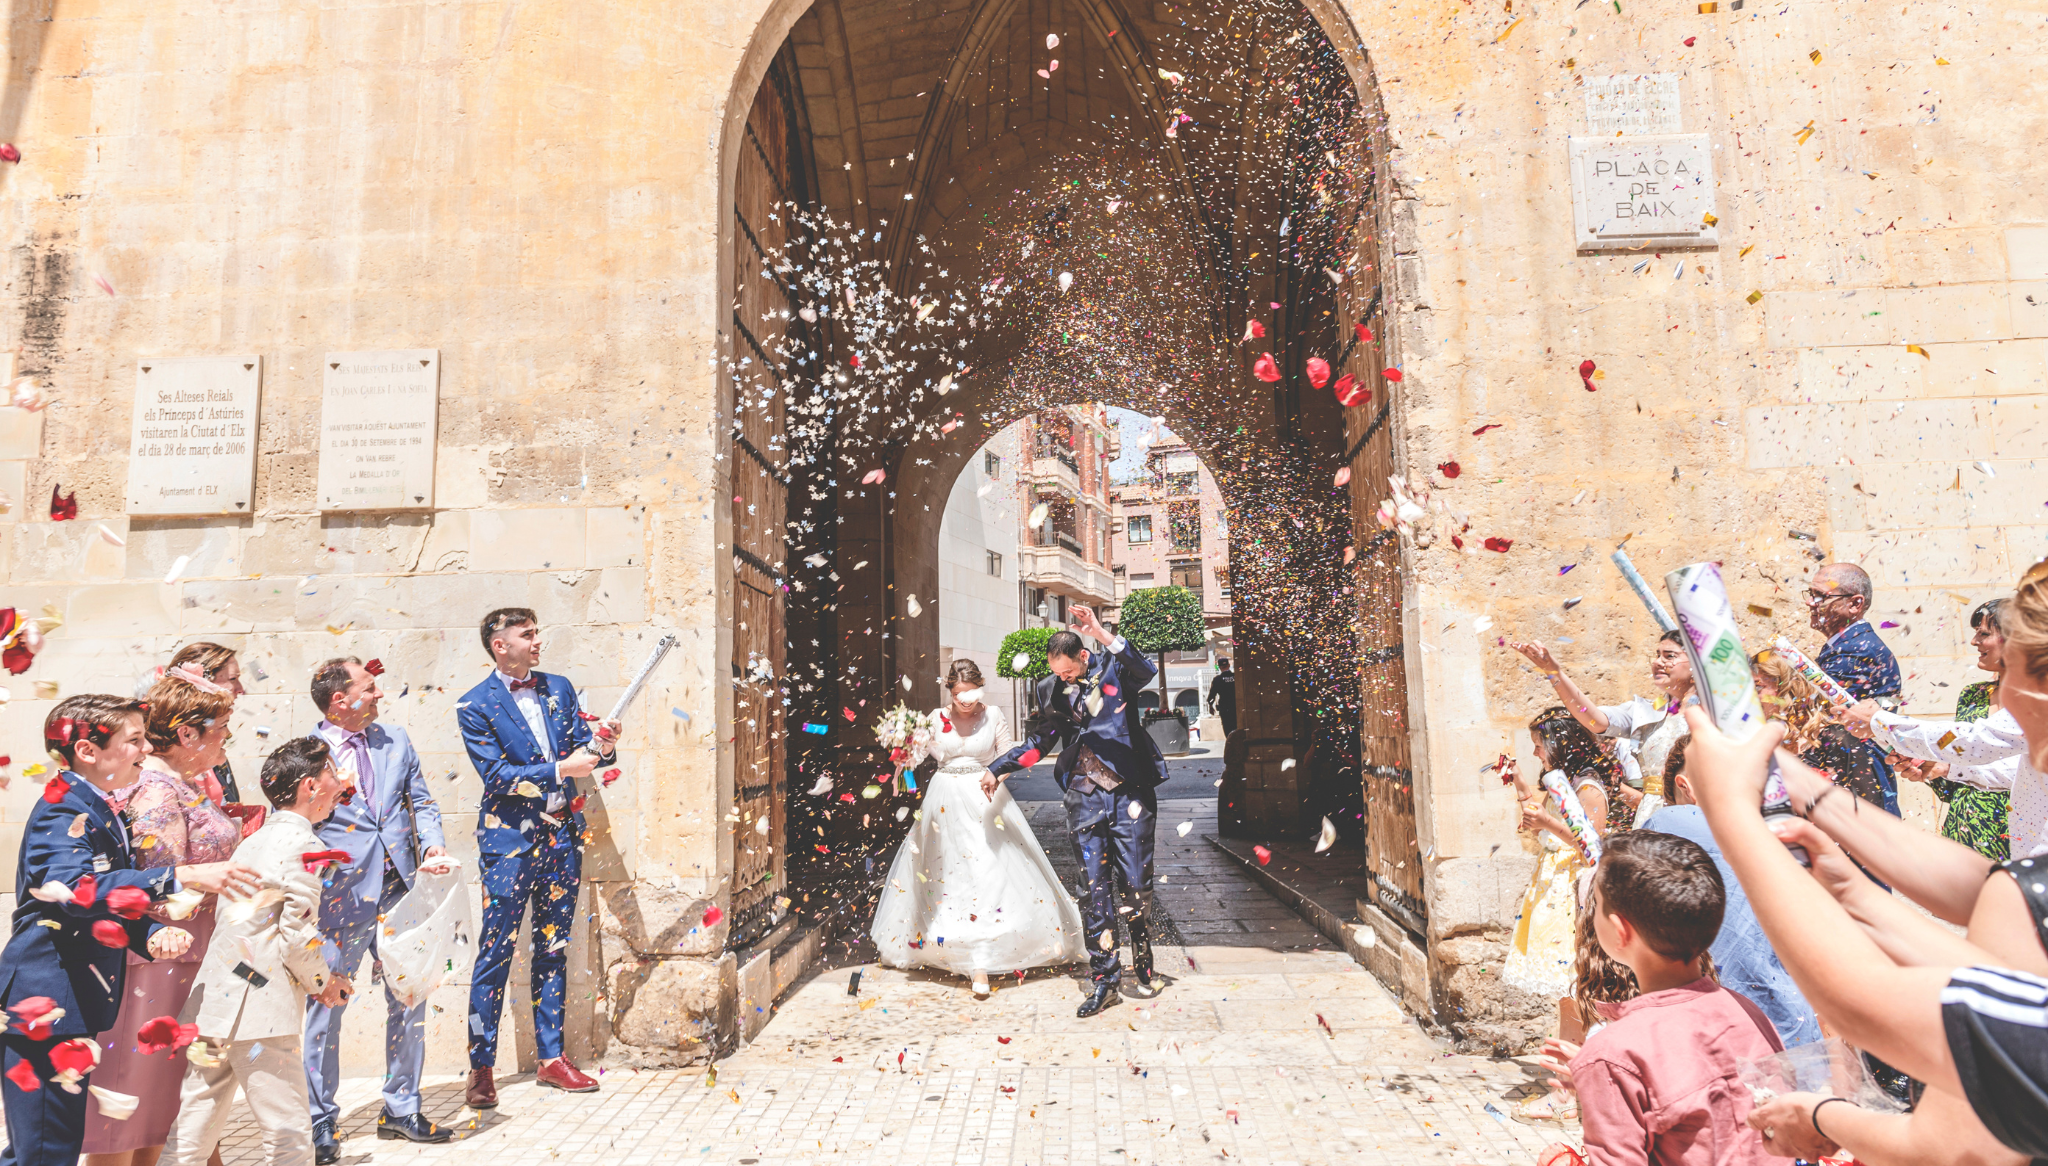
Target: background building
[(980, 600), (1065, 558), (1173, 531)]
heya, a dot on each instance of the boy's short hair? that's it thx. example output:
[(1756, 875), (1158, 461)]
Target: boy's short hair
[(1668, 889), (1674, 762), (291, 764), (329, 678), (505, 617), (91, 716)]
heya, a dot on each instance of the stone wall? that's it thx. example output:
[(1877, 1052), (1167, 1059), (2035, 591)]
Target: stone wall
[(1911, 215)]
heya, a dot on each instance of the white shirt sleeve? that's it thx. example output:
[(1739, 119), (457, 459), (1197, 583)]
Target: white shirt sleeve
[(1960, 743), (1116, 646), (1621, 718)]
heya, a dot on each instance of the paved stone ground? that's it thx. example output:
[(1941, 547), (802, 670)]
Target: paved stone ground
[(1264, 1046)]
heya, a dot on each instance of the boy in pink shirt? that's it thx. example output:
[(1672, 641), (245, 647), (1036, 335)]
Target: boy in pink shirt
[(1657, 1085)]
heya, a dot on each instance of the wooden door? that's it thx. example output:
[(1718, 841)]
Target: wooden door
[(765, 185)]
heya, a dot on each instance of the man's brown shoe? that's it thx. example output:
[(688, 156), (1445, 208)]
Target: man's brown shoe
[(560, 1074), (482, 1093)]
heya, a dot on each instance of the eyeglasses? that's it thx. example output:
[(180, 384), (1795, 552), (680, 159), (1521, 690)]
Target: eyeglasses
[(1816, 598)]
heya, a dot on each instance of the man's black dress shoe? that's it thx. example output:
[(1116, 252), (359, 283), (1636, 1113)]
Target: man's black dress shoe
[(326, 1151), (413, 1127), (1141, 954), (1103, 996)]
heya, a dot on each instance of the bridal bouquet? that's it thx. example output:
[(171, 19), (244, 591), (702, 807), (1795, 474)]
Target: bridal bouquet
[(906, 735)]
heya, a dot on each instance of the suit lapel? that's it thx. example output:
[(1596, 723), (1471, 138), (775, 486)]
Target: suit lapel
[(508, 713)]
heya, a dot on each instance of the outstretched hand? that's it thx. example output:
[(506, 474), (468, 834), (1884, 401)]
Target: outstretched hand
[(1086, 623), (1535, 653)]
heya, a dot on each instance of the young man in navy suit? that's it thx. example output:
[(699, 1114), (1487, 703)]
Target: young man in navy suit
[(530, 744), (1109, 773), (391, 830), (77, 915)]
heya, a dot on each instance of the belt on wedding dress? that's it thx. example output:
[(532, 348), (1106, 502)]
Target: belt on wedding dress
[(962, 765)]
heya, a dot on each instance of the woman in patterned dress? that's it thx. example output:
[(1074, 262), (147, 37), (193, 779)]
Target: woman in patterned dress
[(1976, 817), (174, 817)]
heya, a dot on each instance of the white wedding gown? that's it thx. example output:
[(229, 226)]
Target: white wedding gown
[(971, 889)]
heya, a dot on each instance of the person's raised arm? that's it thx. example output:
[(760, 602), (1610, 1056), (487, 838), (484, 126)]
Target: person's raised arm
[(1868, 1000), (1940, 875), (1583, 710)]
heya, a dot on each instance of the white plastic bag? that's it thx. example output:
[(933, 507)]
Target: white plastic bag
[(425, 936)]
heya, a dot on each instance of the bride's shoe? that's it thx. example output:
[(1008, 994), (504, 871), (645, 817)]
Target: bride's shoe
[(981, 985)]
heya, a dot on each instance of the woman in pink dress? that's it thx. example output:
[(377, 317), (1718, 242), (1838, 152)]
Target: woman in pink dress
[(174, 816)]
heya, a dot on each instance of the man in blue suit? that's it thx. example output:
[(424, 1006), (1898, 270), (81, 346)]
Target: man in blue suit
[(1837, 601), (1108, 773), (391, 829), (530, 743), (76, 918)]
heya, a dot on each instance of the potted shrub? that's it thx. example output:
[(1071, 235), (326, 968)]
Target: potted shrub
[(1159, 620)]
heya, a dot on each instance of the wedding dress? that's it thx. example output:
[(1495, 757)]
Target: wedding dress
[(971, 889)]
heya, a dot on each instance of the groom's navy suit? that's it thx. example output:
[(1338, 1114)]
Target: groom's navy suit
[(1112, 829)]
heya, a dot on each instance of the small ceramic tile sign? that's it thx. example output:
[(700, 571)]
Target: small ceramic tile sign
[(192, 446), (378, 413)]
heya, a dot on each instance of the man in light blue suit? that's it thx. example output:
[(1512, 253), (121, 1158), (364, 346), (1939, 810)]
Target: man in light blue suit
[(531, 743), (391, 828)]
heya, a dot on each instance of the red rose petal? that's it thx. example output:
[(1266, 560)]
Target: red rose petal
[(55, 789), (23, 1075), (1499, 544), (1350, 392), (712, 915), (1029, 757), (1363, 333), (1484, 428), (1689, 40), (63, 508), (1265, 369), (156, 1035), (9, 152), (1448, 469), (1265, 855), (128, 902), (110, 933), (374, 668), (76, 1055), (85, 890), (1318, 371), (1392, 374)]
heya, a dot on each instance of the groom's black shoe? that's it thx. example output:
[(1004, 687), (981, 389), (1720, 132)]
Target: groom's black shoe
[(326, 1150), (1105, 994), (1141, 954)]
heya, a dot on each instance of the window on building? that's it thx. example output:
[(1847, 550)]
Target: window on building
[(995, 564), (1184, 483), (1223, 524), (1223, 584), (1138, 528), (992, 465), (1142, 580), (1187, 574), (1184, 524)]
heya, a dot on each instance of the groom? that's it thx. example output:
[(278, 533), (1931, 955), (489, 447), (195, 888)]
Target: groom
[(1109, 774)]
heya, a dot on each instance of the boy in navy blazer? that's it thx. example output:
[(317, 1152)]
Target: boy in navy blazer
[(79, 904), (530, 743), (1108, 773)]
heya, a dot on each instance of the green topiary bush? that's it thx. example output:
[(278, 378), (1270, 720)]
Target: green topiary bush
[(1163, 619), (1031, 642)]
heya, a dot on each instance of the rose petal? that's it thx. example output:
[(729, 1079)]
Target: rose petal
[(1448, 469), (110, 933), (1318, 371), (712, 915), (1265, 368)]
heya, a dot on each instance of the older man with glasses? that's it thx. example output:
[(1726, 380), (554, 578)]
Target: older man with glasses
[(1837, 600)]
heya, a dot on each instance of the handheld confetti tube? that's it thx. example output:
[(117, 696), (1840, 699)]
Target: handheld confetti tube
[(1720, 671), (661, 648), (1574, 813), (1835, 693), (1641, 587)]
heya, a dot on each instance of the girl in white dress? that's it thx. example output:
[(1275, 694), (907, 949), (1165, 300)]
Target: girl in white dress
[(971, 891)]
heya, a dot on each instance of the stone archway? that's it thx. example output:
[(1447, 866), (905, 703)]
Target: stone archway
[(934, 141)]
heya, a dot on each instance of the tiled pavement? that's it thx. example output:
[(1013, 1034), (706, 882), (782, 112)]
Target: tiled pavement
[(1265, 1046)]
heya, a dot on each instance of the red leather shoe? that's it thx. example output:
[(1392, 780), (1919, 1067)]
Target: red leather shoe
[(483, 1092), (560, 1074)]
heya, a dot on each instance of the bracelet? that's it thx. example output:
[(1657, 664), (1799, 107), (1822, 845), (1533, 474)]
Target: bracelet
[(1808, 812), (1813, 1117)]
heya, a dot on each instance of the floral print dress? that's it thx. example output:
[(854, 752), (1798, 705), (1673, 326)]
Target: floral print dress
[(1976, 817)]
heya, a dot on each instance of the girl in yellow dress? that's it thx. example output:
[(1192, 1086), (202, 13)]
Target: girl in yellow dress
[(1540, 961)]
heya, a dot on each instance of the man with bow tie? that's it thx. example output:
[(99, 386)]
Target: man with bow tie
[(1109, 773), (530, 743), (391, 829)]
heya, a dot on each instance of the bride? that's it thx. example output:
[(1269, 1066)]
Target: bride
[(971, 891)]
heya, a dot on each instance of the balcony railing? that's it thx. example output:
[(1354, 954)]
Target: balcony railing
[(1051, 475)]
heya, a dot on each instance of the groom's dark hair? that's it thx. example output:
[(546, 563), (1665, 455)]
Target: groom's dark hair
[(1064, 644)]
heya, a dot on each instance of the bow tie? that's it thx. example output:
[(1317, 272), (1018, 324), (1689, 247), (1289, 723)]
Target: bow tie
[(531, 681)]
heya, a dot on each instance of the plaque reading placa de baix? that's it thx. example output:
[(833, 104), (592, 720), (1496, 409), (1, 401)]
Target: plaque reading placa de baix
[(378, 413), (192, 448), (1633, 192)]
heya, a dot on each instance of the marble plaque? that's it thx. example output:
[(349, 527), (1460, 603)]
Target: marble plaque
[(1633, 103), (378, 413), (1636, 192), (192, 448)]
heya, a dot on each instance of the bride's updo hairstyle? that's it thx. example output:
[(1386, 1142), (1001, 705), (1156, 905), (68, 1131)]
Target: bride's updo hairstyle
[(963, 671)]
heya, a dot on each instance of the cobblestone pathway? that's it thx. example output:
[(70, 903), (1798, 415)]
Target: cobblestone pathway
[(1265, 1046)]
